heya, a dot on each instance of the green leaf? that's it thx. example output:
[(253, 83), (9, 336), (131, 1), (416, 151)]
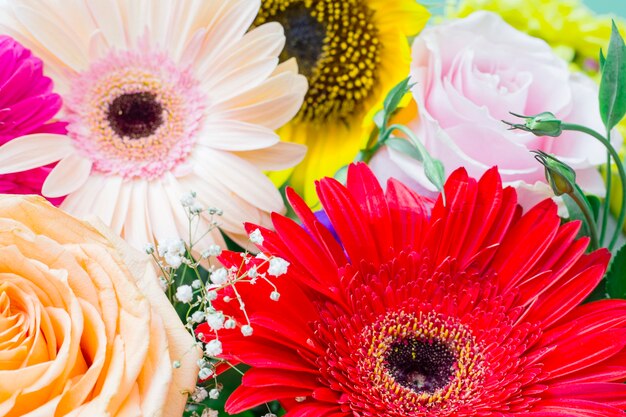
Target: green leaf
[(595, 204), (575, 213), (379, 119), (613, 84), (393, 99), (616, 277), (404, 146), (602, 60)]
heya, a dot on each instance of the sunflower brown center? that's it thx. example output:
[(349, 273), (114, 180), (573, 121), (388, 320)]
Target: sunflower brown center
[(421, 365), (304, 37), (135, 115), (337, 48)]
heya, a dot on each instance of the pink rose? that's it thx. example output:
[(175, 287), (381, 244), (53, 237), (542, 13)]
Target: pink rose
[(469, 74)]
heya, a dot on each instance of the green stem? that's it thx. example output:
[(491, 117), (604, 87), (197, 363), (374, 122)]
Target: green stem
[(620, 168), (607, 198), (578, 198)]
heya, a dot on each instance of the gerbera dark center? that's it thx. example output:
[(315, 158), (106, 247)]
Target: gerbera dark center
[(336, 45), (135, 115), (421, 365)]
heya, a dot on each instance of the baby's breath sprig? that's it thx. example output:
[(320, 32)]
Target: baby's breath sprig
[(194, 285)]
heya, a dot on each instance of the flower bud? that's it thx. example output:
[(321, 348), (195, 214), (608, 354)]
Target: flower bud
[(542, 124), (561, 177)]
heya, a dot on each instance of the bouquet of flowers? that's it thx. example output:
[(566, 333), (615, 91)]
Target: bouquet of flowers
[(312, 208)]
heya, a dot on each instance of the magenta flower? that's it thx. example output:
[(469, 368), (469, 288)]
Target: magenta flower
[(27, 103)]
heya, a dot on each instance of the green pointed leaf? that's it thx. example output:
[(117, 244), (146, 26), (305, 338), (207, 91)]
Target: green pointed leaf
[(594, 203), (613, 83), (602, 60), (575, 213), (404, 146), (379, 119), (616, 277), (393, 99)]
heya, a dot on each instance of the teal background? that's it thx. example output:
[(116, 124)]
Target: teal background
[(608, 6)]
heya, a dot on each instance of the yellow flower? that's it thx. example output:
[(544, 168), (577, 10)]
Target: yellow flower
[(352, 53), (574, 31)]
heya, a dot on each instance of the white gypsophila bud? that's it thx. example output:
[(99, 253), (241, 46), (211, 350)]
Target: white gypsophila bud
[(209, 412), (199, 395), (246, 330), (269, 415), (252, 272), (172, 260), (196, 284), (214, 394), (230, 324), (205, 373), (215, 250), (215, 320), (149, 248), (184, 294), (278, 267), (211, 295), (163, 283), (219, 276), (275, 296), (256, 237), (196, 208), (188, 199), (213, 348), (198, 317)]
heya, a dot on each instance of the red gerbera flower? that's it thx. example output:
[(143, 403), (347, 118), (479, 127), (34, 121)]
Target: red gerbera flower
[(468, 309)]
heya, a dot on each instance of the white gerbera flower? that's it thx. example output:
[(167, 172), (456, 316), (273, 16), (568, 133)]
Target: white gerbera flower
[(161, 97)]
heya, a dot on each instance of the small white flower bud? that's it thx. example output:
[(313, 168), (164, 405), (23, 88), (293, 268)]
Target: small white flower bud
[(184, 294), (246, 330)]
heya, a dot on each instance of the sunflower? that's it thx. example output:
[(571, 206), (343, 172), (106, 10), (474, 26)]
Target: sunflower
[(463, 309), (162, 98), (574, 31), (352, 53)]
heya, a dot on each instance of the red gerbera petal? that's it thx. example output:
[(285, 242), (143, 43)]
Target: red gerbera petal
[(460, 309)]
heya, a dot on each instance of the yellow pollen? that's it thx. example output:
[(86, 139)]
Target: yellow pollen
[(342, 77)]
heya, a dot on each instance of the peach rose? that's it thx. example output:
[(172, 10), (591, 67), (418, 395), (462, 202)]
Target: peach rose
[(84, 328)]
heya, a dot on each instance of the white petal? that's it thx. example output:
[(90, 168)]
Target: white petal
[(121, 207), (109, 19), (33, 151), (280, 156), (161, 212), (104, 205), (137, 229), (235, 81), (56, 38), (80, 202), (67, 176), (236, 136), (243, 179), (271, 104), (228, 26), (213, 194)]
